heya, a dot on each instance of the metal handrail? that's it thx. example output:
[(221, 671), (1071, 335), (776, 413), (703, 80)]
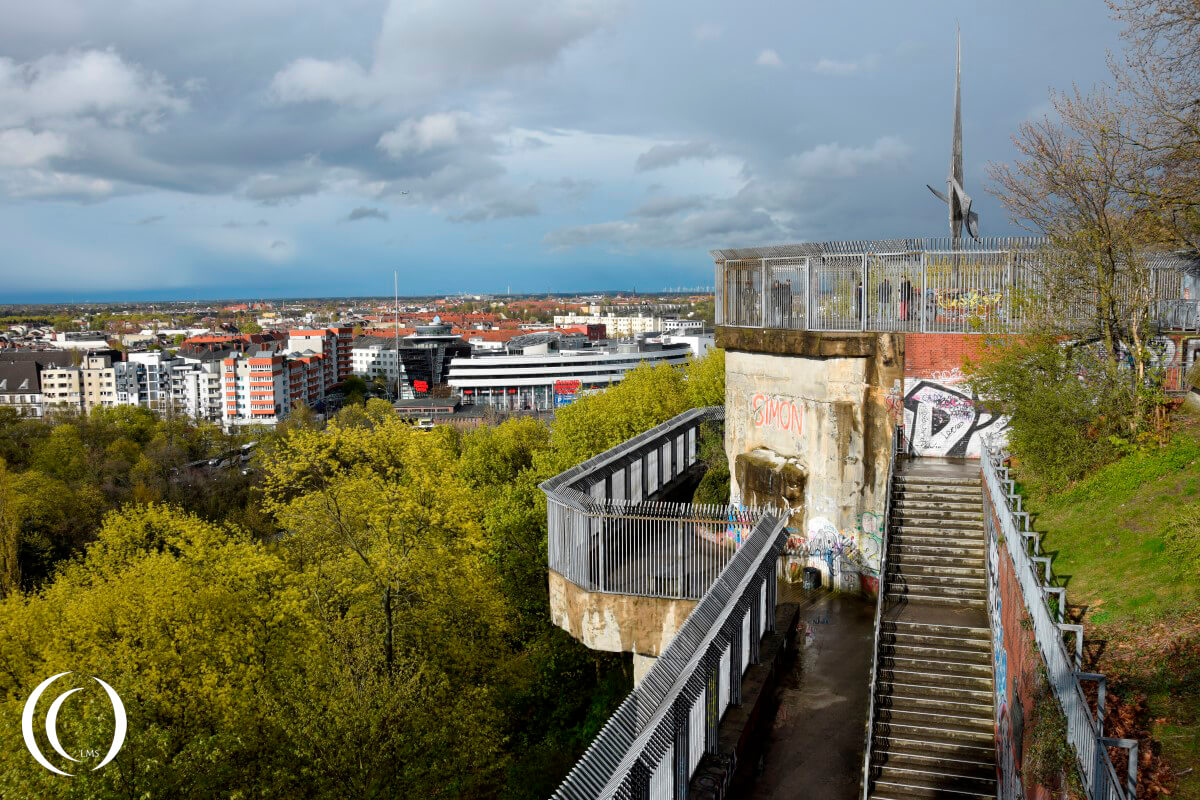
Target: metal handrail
[(1085, 731), (897, 444), (605, 534), (641, 740)]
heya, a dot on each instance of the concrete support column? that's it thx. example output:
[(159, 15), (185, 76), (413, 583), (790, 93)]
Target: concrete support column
[(641, 665)]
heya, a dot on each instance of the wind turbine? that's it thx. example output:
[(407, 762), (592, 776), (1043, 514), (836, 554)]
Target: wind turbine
[(956, 197)]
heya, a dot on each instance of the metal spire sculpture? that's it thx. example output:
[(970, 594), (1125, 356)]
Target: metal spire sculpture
[(956, 197)]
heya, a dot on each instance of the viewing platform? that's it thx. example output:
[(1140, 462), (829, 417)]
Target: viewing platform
[(916, 285)]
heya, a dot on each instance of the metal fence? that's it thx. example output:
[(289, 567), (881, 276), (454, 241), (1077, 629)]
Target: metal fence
[(1085, 730), (606, 534), (899, 445), (922, 286), (652, 744)]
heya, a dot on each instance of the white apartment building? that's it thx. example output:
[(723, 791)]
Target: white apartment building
[(196, 388), (615, 327), (700, 343), (542, 380), (627, 327)]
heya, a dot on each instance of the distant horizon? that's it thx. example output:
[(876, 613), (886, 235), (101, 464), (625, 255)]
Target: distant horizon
[(313, 298)]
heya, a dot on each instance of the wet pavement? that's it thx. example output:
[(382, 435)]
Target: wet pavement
[(819, 734)]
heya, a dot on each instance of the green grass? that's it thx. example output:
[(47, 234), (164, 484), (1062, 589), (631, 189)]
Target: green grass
[(1107, 535)]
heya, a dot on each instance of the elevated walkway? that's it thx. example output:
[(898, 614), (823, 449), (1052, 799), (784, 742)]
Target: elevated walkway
[(815, 748)]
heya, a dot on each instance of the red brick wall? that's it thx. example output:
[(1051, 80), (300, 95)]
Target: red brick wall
[(926, 355), (1015, 659)]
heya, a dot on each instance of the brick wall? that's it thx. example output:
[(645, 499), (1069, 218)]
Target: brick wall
[(926, 355)]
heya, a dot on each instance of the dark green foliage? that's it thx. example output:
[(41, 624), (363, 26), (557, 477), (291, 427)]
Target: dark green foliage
[(714, 486), (1071, 407), (1049, 757)]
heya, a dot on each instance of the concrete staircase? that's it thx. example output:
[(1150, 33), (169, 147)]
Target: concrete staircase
[(933, 730), (936, 554)]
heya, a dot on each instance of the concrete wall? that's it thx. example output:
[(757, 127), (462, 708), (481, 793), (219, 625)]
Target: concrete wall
[(808, 425), (618, 623)]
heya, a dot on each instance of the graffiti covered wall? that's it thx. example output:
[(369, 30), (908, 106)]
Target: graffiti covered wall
[(808, 426), (1015, 662), (941, 415)]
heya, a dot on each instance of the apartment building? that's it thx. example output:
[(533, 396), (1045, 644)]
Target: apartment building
[(99, 382), (627, 327), (62, 388), (334, 343), (20, 389), (195, 387), (255, 388)]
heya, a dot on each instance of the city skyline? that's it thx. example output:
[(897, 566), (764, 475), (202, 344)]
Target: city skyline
[(513, 149)]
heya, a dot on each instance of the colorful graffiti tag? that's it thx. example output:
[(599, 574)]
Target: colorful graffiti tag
[(851, 561), (773, 411)]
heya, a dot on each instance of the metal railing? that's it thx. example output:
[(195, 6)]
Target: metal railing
[(652, 744), (898, 447), (606, 534), (1085, 731), (931, 285)]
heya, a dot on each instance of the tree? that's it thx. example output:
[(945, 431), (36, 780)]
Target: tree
[(1159, 76)]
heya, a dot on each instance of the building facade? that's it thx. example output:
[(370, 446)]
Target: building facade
[(541, 378)]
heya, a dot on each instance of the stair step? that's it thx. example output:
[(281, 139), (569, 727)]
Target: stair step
[(927, 484), (931, 678), (937, 569), (937, 654), (934, 784), (966, 707), (940, 511), (933, 762), (950, 724), (933, 579), (910, 586), (936, 629), (935, 748), (938, 600), (935, 526), (935, 691), (939, 495), (960, 550), (931, 639), (936, 501), (947, 666), (932, 559)]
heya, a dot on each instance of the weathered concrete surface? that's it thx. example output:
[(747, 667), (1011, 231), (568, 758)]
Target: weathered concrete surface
[(811, 430), (809, 344), (642, 665), (817, 741), (617, 623)]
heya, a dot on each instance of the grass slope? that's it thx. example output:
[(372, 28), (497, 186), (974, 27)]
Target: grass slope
[(1109, 538)]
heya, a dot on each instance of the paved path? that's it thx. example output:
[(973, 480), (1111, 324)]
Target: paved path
[(817, 741)]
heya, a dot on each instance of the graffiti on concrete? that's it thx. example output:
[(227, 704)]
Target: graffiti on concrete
[(945, 421), (848, 558), (779, 413)]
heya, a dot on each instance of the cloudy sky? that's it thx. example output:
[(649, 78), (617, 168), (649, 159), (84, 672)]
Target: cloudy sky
[(293, 148)]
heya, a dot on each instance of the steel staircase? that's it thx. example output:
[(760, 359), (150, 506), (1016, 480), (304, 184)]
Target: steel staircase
[(932, 734)]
